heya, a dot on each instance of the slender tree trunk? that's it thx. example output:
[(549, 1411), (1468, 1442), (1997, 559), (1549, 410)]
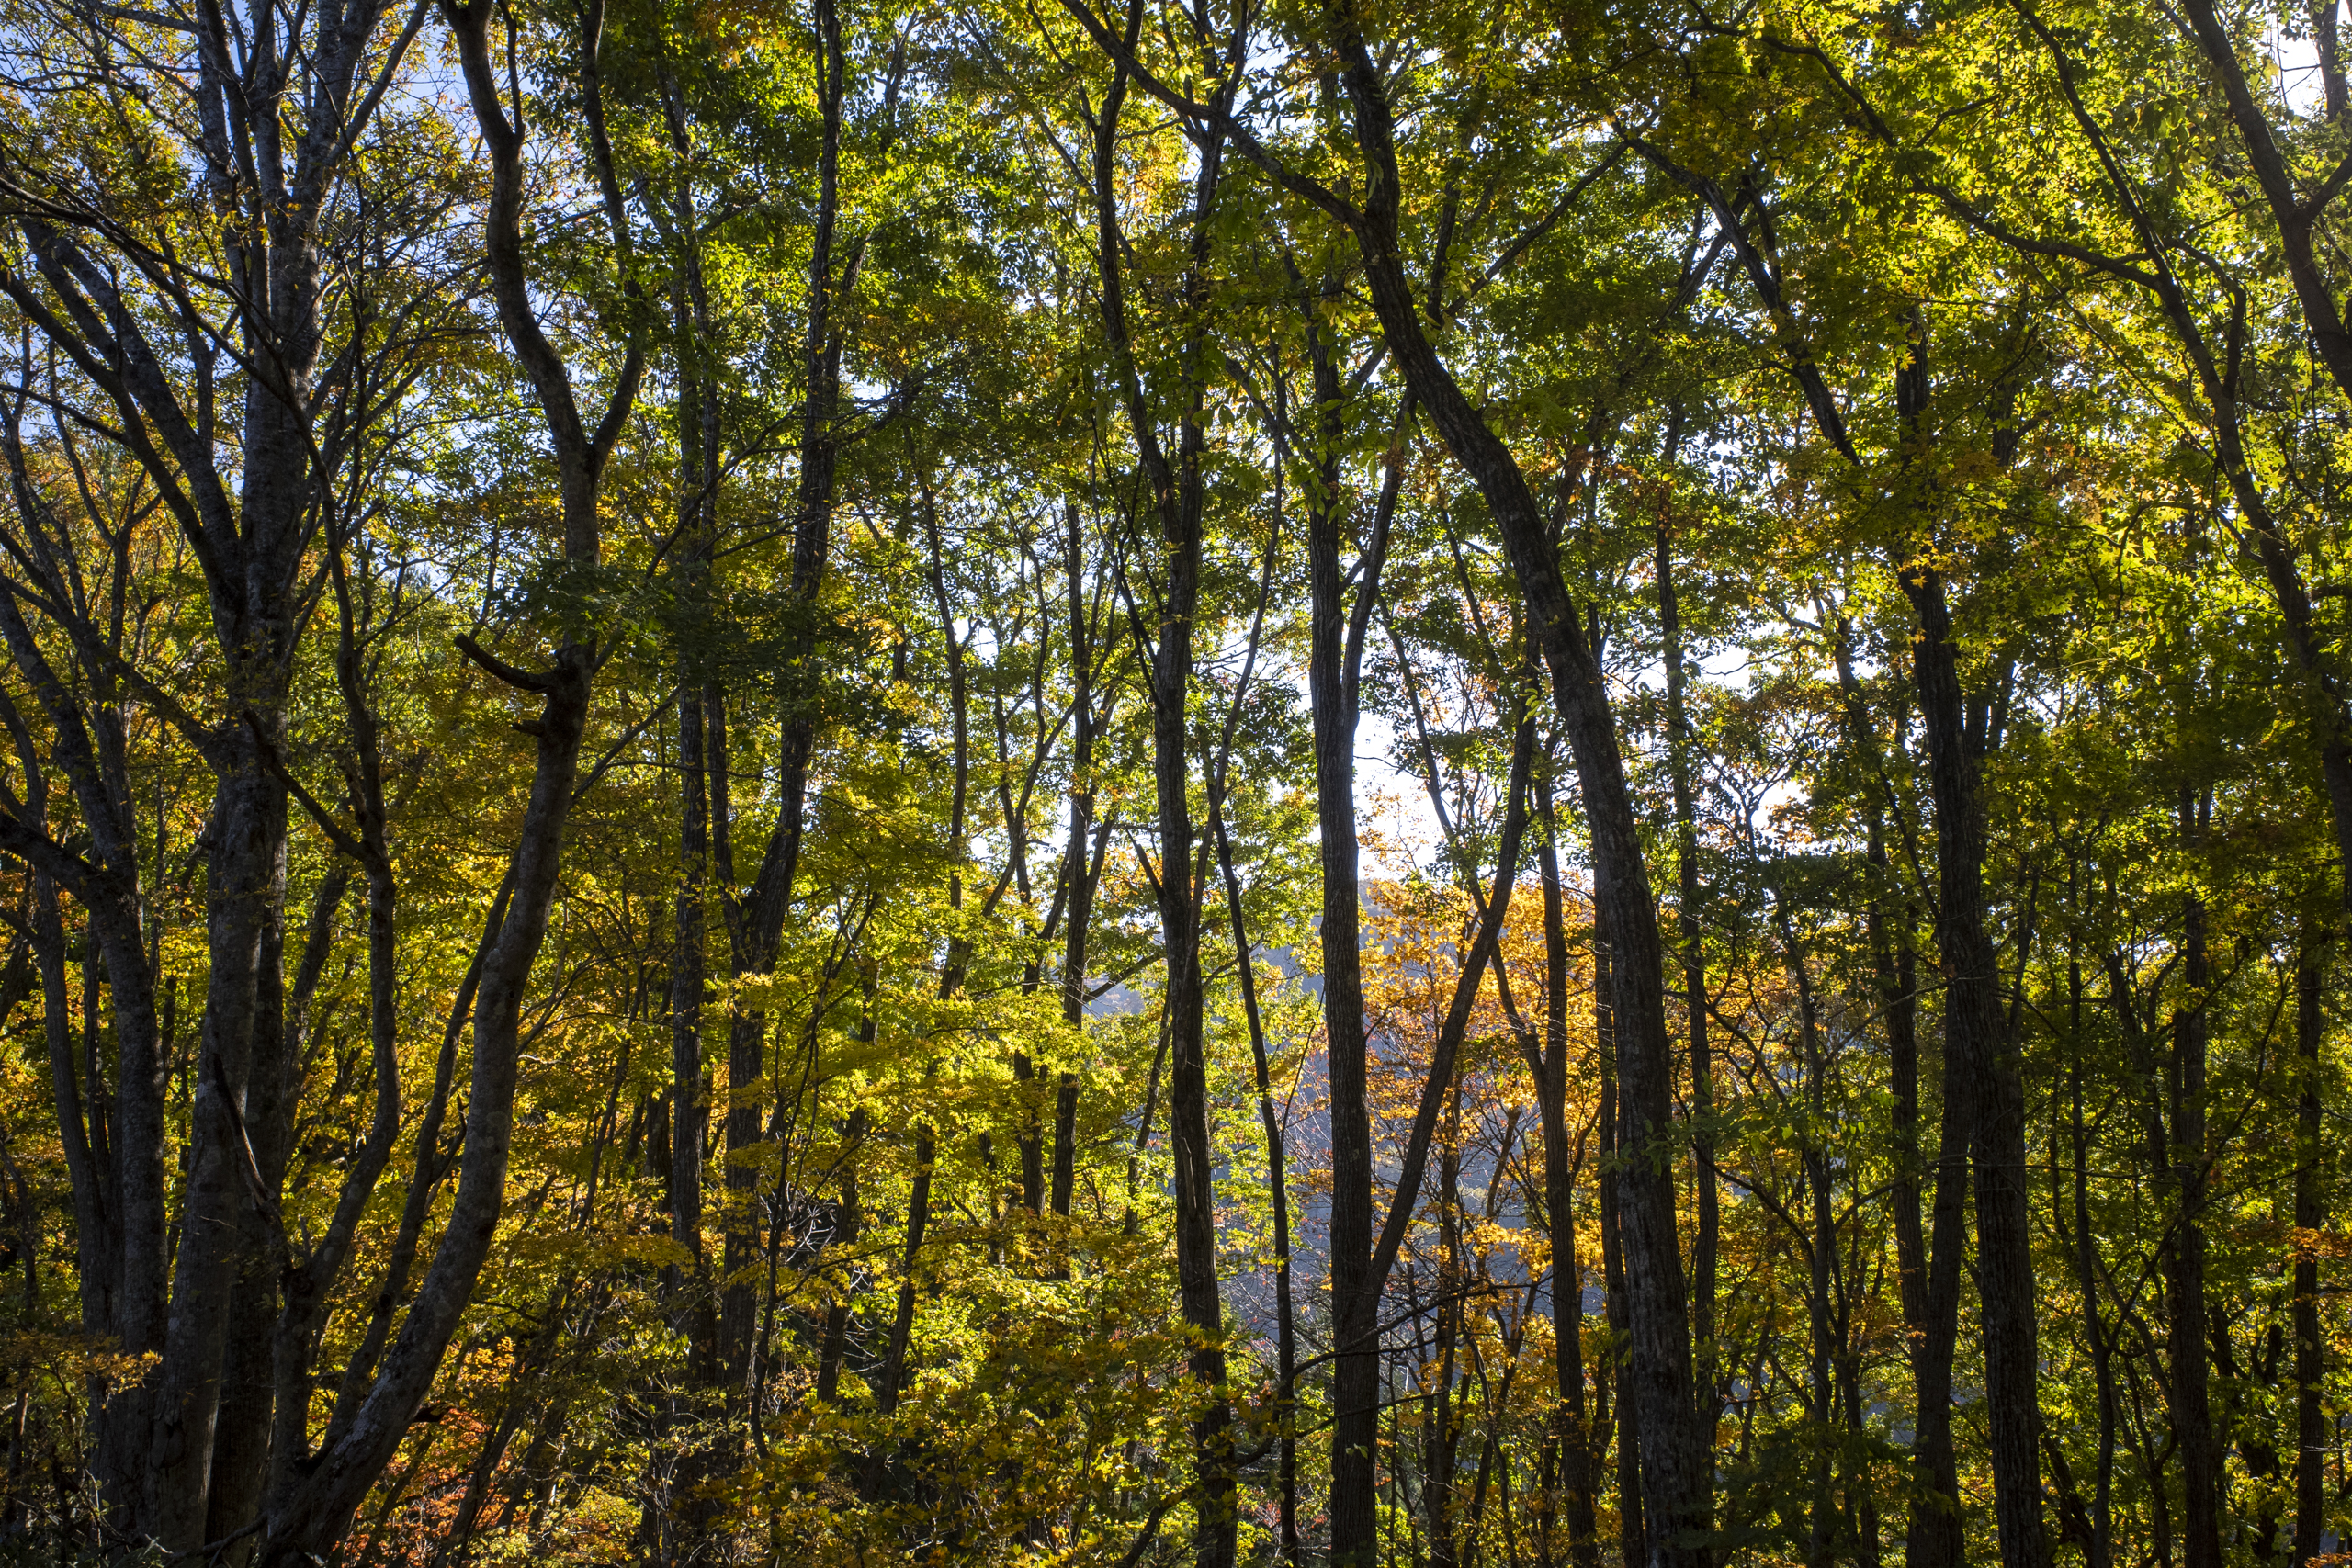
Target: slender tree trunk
[(1188, 1077), (1355, 1386), (951, 985), (684, 1463), (1175, 500), (2311, 1434), (310, 1520), (96, 1250), (1335, 653), (1988, 1113), (1080, 870), (1971, 1015), (2200, 1457), (1571, 1430), (714, 1341), (892, 1380), (756, 924), (845, 1234), (1821, 1541), (132, 1116), (1894, 968), (1861, 1497), (2099, 1550), (689, 1097), (1895, 962), (1440, 1442), (1681, 742), (1631, 1534), (117, 1180), (308, 1280), (1277, 1182)]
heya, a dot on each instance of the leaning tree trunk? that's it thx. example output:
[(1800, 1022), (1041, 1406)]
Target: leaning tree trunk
[(1676, 1448)]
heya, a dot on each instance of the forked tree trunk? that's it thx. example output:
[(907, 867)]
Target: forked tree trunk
[(1174, 504), (307, 1516), (1677, 1466)]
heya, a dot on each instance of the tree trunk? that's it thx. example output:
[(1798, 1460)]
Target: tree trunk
[(309, 1517), (1442, 1432), (1676, 1464), (755, 925), (1336, 635), (248, 512), (1821, 1541), (2099, 1550), (1176, 504), (2311, 1212), (113, 1139), (1334, 643), (2200, 1457), (1571, 1430), (1631, 1534), (1278, 1190), (1679, 742), (244, 883), (1983, 1109), (1080, 870), (689, 1096)]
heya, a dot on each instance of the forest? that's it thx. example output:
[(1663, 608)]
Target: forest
[(1486, 784)]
